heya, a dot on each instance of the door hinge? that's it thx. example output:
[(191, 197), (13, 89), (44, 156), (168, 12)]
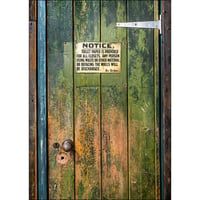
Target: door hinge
[(144, 24)]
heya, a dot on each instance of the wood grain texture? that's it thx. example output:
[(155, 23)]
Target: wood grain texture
[(87, 103), (42, 102), (32, 113), (32, 10), (60, 98), (114, 107), (166, 77), (141, 104), (113, 118)]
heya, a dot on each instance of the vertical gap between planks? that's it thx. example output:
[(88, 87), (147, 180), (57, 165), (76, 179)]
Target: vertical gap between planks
[(154, 77), (36, 57), (36, 138), (161, 120), (73, 71), (161, 111), (128, 139), (36, 116), (100, 110), (47, 94), (36, 124), (127, 103)]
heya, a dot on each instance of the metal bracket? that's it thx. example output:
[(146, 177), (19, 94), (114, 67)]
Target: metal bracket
[(145, 24)]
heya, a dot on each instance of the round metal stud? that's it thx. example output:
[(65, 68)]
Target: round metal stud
[(67, 145)]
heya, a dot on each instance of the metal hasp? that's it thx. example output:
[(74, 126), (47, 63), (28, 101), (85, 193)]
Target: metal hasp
[(145, 24)]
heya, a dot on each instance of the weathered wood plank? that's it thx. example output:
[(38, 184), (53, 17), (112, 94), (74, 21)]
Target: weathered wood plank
[(166, 94), (60, 98), (114, 107), (32, 113), (156, 104), (32, 10), (42, 102), (87, 103), (141, 103)]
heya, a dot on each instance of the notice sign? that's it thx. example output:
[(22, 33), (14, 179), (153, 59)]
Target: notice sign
[(98, 57)]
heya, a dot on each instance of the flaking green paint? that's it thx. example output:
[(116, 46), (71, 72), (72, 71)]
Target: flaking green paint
[(114, 107), (87, 103), (60, 96), (93, 96), (141, 104)]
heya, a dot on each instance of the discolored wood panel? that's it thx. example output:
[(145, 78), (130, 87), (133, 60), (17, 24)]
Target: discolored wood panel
[(112, 118), (60, 98), (32, 10), (86, 108), (32, 113), (156, 104), (114, 107), (166, 94), (141, 104)]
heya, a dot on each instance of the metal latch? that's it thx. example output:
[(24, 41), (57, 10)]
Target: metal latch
[(145, 24)]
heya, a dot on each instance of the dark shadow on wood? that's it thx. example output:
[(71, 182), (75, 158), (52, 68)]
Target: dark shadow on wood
[(166, 77)]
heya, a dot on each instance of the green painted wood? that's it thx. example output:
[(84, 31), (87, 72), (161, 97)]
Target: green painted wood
[(60, 98), (42, 102), (32, 113), (141, 104), (114, 107), (86, 110), (113, 118)]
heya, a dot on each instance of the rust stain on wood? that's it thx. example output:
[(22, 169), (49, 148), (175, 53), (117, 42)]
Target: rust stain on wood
[(62, 158), (114, 108), (60, 98), (87, 146), (87, 101), (114, 153)]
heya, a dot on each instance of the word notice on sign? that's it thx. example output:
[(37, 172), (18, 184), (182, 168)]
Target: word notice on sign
[(98, 57)]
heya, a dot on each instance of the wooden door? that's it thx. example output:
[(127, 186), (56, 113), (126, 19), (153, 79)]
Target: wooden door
[(112, 118)]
